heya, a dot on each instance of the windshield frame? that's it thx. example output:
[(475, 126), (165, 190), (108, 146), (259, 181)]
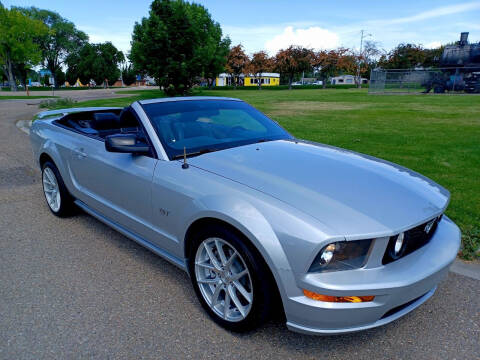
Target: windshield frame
[(216, 147)]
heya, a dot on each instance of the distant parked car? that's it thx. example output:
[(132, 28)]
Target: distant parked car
[(297, 83), (318, 82)]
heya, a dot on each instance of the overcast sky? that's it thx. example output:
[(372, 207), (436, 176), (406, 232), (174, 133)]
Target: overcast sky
[(275, 24)]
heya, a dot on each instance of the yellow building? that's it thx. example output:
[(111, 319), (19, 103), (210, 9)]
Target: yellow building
[(266, 79)]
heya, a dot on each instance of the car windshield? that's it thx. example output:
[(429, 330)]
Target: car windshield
[(209, 125)]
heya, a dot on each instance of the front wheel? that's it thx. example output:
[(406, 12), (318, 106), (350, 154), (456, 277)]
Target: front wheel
[(230, 279)]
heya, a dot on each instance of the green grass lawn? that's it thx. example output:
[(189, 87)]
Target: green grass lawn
[(14, 97), (436, 135)]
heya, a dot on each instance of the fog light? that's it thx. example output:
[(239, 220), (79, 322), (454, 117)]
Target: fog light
[(339, 299), (396, 246), (399, 244), (327, 254)]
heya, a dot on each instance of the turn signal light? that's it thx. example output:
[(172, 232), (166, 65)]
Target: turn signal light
[(338, 299)]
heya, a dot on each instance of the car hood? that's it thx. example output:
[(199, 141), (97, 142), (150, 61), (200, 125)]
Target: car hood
[(355, 195)]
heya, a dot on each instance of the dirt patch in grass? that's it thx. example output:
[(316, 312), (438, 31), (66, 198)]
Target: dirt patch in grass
[(290, 108)]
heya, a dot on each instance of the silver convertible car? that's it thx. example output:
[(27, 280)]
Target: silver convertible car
[(264, 223)]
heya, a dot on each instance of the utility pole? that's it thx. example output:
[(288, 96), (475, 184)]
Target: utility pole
[(362, 35)]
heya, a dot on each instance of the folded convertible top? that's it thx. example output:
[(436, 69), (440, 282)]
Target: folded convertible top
[(72, 110)]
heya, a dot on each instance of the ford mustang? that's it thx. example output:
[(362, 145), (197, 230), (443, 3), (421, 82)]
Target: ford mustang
[(263, 223)]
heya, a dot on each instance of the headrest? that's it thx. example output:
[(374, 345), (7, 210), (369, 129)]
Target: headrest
[(104, 121), (127, 119)]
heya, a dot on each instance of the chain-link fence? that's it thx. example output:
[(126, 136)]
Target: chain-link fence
[(448, 80)]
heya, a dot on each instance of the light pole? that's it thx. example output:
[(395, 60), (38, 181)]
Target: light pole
[(362, 35)]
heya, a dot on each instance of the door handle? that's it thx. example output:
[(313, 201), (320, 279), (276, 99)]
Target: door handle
[(80, 153)]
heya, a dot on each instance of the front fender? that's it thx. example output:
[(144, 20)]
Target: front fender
[(245, 217)]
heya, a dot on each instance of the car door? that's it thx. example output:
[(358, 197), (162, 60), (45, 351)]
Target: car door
[(117, 185)]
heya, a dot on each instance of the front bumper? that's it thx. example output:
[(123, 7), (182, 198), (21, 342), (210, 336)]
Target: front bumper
[(399, 287)]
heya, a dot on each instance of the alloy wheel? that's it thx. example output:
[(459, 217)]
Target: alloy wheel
[(51, 189), (224, 279)]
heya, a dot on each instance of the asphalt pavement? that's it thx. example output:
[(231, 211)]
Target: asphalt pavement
[(74, 289)]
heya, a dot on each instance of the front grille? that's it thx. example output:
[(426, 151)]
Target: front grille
[(414, 239)]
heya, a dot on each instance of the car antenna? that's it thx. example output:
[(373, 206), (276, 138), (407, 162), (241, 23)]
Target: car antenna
[(184, 165)]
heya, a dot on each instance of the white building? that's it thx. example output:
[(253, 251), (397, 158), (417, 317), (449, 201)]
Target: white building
[(224, 79), (345, 80)]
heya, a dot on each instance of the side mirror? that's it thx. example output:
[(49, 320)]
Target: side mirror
[(126, 143)]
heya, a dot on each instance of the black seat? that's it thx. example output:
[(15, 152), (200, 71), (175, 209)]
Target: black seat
[(127, 119), (105, 121)]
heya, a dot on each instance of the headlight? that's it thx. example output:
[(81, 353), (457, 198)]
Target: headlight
[(327, 254), (342, 255)]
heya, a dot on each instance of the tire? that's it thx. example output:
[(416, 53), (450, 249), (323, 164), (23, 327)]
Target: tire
[(58, 199), (206, 278)]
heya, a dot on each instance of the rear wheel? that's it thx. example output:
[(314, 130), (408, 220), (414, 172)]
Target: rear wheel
[(56, 194), (229, 279)]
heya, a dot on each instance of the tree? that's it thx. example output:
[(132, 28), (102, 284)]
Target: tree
[(21, 71), (95, 61), (369, 58), (128, 75), (432, 57), (3, 78), (366, 60), (178, 42), (45, 80), (371, 52), (259, 64), (333, 62), (404, 56), (60, 77), (72, 73), (218, 59), (237, 61), (17, 42), (292, 61), (62, 39), (347, 61)]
